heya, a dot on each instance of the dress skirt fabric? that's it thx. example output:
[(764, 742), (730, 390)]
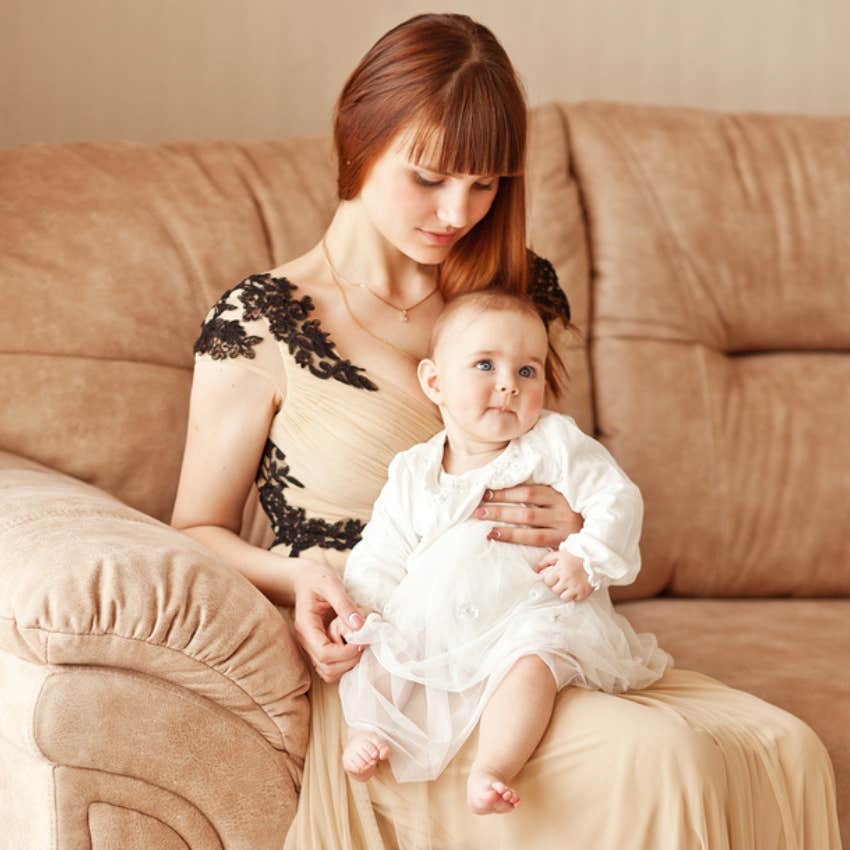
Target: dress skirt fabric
[(686, 764)]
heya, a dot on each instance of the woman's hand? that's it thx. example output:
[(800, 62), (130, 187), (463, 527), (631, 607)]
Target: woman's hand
[(320, 596), (537, 505)]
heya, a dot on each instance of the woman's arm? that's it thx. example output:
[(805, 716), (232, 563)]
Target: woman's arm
[(230, 414)]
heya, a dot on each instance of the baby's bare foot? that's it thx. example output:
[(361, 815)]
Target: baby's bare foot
[(487, 794), (362, 753)]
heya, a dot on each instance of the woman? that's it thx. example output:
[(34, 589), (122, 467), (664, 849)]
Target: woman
[(309, 373)]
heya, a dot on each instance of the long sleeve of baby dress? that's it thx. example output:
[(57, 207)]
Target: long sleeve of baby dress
[(456, 610)]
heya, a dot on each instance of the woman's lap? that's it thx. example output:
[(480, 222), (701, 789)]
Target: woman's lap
[(686, 763)]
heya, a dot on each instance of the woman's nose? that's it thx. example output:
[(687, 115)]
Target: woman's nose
[(453, 210)]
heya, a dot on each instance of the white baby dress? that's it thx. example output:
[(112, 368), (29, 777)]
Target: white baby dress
[(458, 610)]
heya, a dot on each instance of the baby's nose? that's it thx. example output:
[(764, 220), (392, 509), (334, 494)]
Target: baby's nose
[(504, 388)]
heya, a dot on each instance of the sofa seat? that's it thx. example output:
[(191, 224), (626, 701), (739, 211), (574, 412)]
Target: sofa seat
[(790, 652)]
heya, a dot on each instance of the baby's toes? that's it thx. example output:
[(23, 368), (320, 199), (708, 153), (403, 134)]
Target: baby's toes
[(368, 755), (507, 794)]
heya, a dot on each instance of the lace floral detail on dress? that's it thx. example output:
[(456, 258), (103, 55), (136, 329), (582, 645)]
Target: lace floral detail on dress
[(291, 525), (223, 338), (546, 292), (271, 298)]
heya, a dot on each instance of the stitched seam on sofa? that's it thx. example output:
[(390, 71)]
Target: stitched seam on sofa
[(717, 482), (182, 652), (199, 701), (144, 814), (54, 815), (674, 257), (124, 360), (196, 701), (84, 513)]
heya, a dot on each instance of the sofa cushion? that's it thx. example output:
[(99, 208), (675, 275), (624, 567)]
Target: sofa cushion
[(556, 231), (793, 653), (85, 580), (720, 339), (119, 251)]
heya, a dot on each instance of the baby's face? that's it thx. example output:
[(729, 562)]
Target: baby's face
[(491, 373)]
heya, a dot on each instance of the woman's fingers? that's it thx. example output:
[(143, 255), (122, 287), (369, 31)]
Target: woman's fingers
[(526, 536), (332, 671), (535, 516), (312, 633), (537, 505), (530, 494), (334, 593)]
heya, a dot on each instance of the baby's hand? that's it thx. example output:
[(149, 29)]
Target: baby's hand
[(564, 575)]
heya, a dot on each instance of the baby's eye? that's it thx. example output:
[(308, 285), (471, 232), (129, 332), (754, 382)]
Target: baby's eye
[(527, 372), (484, 365)]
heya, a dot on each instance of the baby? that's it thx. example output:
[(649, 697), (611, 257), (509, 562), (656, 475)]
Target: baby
[(465, 630)]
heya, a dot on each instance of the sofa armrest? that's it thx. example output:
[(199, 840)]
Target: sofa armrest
[(86, 580)]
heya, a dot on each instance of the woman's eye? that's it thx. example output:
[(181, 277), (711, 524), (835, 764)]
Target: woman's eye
[(424, 181), (486, 187), (527, 372), (484, 365)]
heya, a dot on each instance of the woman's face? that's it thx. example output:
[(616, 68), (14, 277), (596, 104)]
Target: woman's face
[(420, 211)]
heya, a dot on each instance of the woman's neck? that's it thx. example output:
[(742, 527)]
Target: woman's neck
[(360, 254)]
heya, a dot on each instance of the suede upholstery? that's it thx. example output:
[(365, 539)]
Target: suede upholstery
[(150, 697)]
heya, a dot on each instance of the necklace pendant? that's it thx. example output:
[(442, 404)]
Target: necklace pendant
[(403, 316)]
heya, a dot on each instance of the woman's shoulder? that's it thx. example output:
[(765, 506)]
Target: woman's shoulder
[(242, 316), (545, 290), (263, 304)]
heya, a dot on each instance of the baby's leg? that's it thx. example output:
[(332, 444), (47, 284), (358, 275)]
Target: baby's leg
[(364, 748), (512, 724)]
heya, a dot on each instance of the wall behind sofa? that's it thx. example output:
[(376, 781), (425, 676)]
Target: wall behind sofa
[(177, 69)]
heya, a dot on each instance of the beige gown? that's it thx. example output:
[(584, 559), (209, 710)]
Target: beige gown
[(686, 764)]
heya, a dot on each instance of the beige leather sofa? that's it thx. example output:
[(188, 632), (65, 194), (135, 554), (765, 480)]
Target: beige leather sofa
[(150, 697)]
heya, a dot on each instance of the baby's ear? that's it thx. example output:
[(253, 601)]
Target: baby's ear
[(429, 379)]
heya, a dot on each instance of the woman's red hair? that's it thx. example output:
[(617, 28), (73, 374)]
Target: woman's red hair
[(446, 79)]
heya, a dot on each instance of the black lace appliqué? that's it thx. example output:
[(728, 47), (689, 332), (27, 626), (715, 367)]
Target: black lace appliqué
[(291, 525), (544, 289), (265, 296), (223, 338)]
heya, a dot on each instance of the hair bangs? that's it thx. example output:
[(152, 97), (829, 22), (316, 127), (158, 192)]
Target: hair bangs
[(470, 130)]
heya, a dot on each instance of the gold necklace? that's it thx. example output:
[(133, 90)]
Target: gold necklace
[(338, 277), (354, 318)]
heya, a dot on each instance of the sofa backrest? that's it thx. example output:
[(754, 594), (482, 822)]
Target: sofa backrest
[(719, 341), (716, 335), (112, 254)]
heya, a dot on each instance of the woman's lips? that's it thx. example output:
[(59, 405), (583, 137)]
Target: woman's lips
[(438, 238)]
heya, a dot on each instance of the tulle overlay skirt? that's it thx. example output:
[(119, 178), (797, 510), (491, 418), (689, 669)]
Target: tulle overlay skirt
[(468, 609)]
